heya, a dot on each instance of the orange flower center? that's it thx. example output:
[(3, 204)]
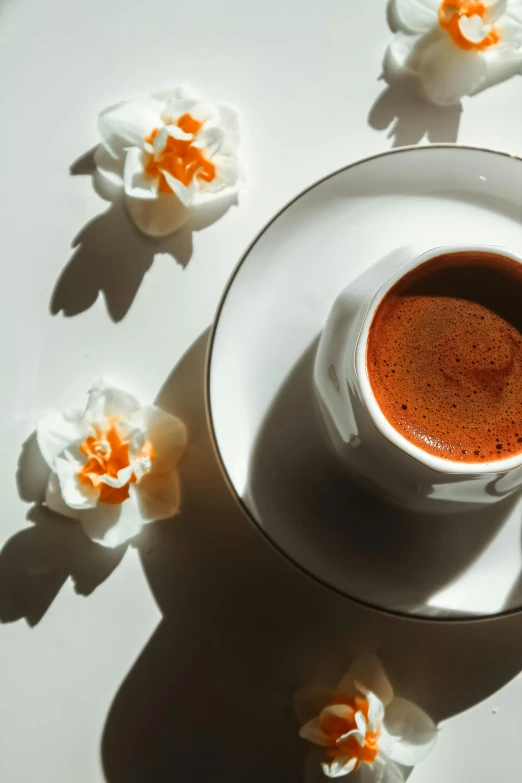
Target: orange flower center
[(107, 454), (335, 727), (180, 158), (450, 13)]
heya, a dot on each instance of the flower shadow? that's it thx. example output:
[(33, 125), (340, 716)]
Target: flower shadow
[(36, 562), (408, 118), (112, 257), (210, 696)]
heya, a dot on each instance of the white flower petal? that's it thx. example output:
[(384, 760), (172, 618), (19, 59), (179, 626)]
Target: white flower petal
[(112, 525), (312, 732), (75, 493), (340, 766), (186, 102), (377, 767), (229, 120), (510, 31), (126, 125), (132, 430), (346, 687), (375, 707), (159, 141), (109, 172), (313, 772), (210, 139), (166, 433), (123, 477), (204, 112), (375, 711), (175, 109), (228, 171), (417, 16), (501, 66), (309, 702), (155, 214), (225, 184), (158, 495), (368, 671), (339, 711), (55, 501), (448, 73), (56, 431), (176, 102), (360, 722), (413, 729), (504, 60), (141, 466), (177, 133), (136, 182), (387, 742), (179, 93), (514, 10), (401, 56), (357, 735), (473, 28), (157, 217), (185, 193), (391, 774), (106, 401), (494, 10)]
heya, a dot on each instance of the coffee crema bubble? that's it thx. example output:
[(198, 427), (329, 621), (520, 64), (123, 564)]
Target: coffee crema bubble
[(444, 356)]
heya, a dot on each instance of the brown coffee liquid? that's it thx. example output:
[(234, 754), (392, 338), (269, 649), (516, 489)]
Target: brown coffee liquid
[(444, 357)]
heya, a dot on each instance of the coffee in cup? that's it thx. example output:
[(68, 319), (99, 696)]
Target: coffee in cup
[(444, 356)]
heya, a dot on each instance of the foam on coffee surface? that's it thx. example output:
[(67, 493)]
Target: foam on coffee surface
[(444, 357)]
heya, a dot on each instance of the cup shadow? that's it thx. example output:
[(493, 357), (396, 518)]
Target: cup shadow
[(515, 596), (110, 256), (210, 696), (36, 562), (381, 554)]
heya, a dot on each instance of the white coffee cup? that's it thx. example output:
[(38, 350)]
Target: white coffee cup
[(372, 448)]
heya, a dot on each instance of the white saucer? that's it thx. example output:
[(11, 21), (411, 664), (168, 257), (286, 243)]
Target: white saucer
[(266, 427)]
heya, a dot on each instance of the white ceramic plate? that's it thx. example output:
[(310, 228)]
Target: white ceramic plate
[(262, 409)]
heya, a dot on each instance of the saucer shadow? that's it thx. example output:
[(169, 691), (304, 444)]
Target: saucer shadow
[(112, 257), (209, 698), (36, 562), (381, 554)]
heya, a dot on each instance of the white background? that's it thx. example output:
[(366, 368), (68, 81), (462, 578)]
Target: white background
[(179, 662)]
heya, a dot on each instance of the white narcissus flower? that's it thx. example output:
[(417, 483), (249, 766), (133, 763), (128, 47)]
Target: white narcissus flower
[(170, 153), (362, 723), (455, 47), (113, 465)]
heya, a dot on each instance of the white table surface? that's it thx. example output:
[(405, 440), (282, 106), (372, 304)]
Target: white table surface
[(179, 661)]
